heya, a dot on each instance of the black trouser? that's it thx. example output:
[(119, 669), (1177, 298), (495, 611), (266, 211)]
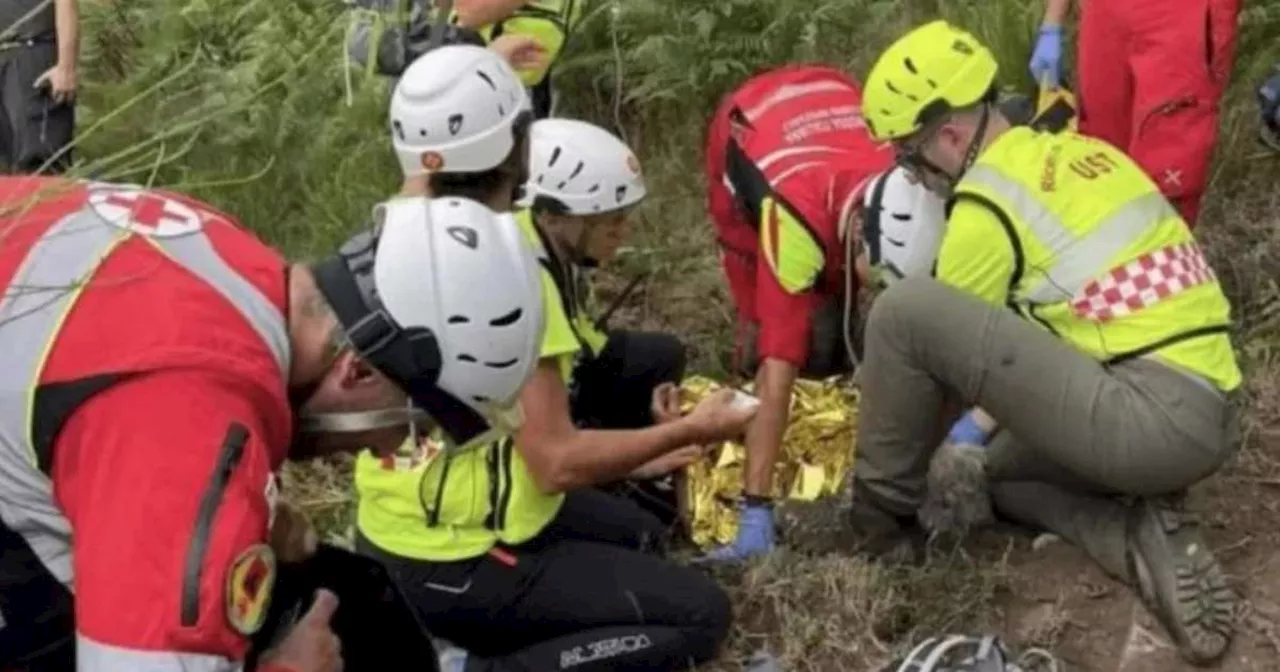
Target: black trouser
[(583, 595), (32, 126), (540, 98), (374, 622), (614, 390), (37, 619)]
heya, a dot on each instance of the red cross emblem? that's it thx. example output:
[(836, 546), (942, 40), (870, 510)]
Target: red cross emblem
[(146, 213)]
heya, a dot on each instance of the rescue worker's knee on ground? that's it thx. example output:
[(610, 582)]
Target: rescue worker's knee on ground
[(709, 625), (904, 303), (670, 351)]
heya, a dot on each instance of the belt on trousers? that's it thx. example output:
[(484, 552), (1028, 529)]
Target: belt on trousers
[(20, 42)]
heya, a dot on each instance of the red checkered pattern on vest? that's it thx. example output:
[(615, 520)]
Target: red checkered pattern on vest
[(1143, 282)]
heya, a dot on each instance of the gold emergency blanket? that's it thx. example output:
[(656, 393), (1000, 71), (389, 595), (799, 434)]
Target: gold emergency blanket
[(817, 450)]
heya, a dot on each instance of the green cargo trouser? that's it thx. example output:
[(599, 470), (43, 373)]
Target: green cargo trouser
[(1074, 432)]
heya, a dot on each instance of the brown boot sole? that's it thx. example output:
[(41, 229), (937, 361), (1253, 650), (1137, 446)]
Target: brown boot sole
[(1195, 605)]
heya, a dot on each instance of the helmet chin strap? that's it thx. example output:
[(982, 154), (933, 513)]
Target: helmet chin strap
[(361, 421), (579, 250)]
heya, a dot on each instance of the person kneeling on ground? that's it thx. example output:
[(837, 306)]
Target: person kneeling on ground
[(789, 162), (1114, 384), (505, 550), (120, 553), (583, 184)]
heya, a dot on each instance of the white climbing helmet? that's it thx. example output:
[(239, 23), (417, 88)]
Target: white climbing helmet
[(582, 167), (902, 225), (454, 110), (467, 275), (443, 298), (964, 653)]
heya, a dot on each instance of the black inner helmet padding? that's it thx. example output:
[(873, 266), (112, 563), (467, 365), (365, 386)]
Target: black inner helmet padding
[(871, 221), (940, 108), (409, 357)]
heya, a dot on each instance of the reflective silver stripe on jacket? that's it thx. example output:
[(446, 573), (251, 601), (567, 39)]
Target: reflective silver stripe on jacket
[(94, 656), (1077, 259), (40, 294)]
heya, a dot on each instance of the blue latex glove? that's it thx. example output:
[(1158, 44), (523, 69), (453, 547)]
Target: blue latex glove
[(755, 537), (966, 430), (1046, 60)]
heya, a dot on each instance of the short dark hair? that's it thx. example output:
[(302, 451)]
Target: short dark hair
[(482, 185)]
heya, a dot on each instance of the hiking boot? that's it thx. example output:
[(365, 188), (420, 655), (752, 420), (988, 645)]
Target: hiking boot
[(1180, 581), (883, 536)]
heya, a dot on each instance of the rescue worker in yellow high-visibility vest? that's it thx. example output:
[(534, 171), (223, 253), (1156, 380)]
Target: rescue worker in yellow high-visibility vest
[(530, 34), (1071, 302), (548, 22), (505, 548)]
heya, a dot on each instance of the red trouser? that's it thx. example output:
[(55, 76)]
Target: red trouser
[(1151, 75)]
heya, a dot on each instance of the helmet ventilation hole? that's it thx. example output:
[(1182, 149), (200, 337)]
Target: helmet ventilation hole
[(508, 319), (555, 156), (911, 67), (487, 79)]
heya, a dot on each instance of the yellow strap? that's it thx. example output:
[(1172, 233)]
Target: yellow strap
[(793, 254)]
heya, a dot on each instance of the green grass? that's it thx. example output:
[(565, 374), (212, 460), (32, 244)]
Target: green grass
[(249, 104)]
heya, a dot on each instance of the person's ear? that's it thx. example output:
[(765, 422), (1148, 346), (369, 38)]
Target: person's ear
[(946, 137)]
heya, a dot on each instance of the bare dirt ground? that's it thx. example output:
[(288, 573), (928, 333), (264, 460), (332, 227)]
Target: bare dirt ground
[(816, 609), (1060, 600)]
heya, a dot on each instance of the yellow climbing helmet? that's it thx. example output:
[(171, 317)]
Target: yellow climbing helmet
[(925, 74)]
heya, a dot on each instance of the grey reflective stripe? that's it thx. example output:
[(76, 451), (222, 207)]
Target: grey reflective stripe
[(197, 255), (1092, 254), (94, 656), (38, 297), (1077, 259), (1024, 205), (33, 305)]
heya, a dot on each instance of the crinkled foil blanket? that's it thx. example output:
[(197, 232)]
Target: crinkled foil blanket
[(817, 451)]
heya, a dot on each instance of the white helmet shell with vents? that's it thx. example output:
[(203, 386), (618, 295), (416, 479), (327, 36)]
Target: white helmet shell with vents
[(581, 166), (454, 110), (907, 220), (455, 268)]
